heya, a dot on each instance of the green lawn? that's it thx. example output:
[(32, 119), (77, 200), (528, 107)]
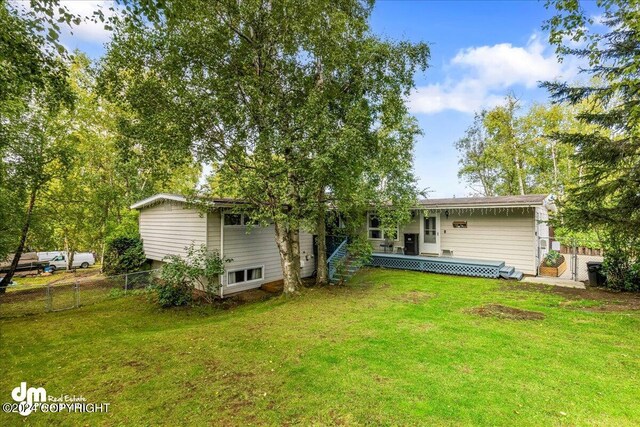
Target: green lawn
[(390, 348), (60, 276)]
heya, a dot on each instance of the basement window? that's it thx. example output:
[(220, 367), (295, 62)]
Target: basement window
[(459, 224), (245, 275)]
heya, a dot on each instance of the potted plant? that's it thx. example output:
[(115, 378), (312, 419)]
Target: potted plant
[(553, 264)]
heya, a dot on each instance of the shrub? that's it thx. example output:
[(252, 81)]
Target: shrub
[(360, 250), (622, 266), (174, 294), (124, 255), (181, 275)]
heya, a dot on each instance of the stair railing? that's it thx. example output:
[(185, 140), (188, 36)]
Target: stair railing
[(336, 257)]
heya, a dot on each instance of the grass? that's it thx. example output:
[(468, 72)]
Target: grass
[(391, 348), (58, 276)]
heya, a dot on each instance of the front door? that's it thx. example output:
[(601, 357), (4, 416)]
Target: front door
[(431, 234)]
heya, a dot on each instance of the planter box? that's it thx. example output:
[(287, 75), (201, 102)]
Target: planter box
[(553, 271)]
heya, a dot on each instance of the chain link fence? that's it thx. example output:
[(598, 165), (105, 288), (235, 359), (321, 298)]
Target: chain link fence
[(577, 259), (72, 293)]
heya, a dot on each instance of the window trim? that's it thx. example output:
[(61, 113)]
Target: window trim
[(235, 270), (382, 233)]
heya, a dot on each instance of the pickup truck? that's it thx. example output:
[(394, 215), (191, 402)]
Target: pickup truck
[(28, 261)]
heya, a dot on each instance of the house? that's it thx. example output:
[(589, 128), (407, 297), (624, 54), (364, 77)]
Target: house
[(494, 231), (168, 224), (509, 229)]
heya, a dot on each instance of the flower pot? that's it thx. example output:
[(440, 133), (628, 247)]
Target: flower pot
[(553, 271)]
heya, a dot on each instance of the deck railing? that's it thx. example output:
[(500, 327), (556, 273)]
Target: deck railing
[(443, 265)]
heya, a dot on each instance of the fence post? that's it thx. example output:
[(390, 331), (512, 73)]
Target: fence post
[(48, 303), (77, 293), (126, 282)]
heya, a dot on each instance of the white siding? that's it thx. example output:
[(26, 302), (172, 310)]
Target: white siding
[(493, 236), (213, 231), (167, 228), (257, 247)]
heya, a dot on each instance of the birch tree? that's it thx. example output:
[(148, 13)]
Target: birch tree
[(283, 98)]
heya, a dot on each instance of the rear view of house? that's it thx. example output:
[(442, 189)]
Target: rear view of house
[(509, 229), (168, 224)]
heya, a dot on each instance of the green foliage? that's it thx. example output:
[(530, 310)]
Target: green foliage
[(173, 293), (30, 59), (124, 255), (316, 105), (569, 237), (606, 199), (198, 269), (610, 152), (553, 259), (360, 250), (506, 152), (622, 263)]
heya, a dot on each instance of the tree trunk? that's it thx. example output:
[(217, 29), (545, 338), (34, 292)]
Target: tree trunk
[(555, 167), (288, 241), (104, 243), (519, 173), (23, 240), (322, 275), (70, 253)]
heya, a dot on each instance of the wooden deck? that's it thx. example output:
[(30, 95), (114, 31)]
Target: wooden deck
[(443, 265)]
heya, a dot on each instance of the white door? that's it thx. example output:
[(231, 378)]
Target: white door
[(431, 234)]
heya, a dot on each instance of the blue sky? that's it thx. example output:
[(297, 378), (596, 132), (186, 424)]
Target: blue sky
[(480, 51)]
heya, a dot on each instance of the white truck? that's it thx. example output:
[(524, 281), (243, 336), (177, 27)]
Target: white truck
[(48, 256), (80, 259)]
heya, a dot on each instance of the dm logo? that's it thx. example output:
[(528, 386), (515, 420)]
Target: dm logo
[(27, 397)]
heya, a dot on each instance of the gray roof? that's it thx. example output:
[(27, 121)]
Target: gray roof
[(166, 197), (484, 202)]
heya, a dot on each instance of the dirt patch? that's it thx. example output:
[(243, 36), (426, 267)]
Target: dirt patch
[(415, 297), (137, 365), (605, 300), (504, 312)]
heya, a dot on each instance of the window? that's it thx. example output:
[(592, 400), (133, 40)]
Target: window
[(459, 224), (335, 221), (375, 230), (236, 219), (245, 275), (374, 227)]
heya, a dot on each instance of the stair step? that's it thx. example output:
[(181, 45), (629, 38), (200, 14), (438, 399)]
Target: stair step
[(516, 275), (506, 271)]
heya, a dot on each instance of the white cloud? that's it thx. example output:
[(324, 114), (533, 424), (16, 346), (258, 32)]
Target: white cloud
[(486, 73), (87, 30)]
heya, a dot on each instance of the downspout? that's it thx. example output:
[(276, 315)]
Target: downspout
[(222, 251)]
